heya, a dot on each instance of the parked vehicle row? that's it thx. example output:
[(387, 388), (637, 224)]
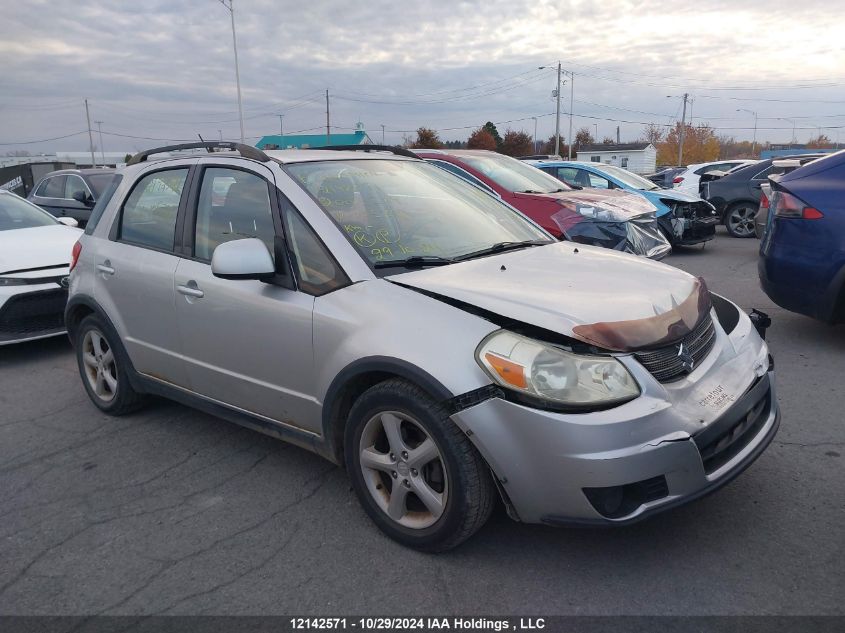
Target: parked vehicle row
[(736, 195), (683, 219), (613, 219), (443, 346)]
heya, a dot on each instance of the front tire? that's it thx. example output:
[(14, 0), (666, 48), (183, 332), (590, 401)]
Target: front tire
[(102, 366), (739, 219), (416, 474)]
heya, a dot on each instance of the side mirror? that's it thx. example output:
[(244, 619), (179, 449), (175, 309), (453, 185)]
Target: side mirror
[(242, 259), (67, 221), (84, 198)]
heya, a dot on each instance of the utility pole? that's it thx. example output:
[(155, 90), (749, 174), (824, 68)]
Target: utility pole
[(102, 149), (231, 9), (557, 115), (220, 132), (596, 139), (683, 129), (328, 126), (281, 125), (90, 136), (535, 133), (617, 135), (571, 101), (382, 133)]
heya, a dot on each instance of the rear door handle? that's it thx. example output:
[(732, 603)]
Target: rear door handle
[(105, 268), (191, 291)]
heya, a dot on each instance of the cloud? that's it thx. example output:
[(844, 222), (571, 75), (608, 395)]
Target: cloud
[(164, 69)]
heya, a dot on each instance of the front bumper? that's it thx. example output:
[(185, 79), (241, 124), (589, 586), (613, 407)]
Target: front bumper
[(566, 469), (31, 312), (689, 229)]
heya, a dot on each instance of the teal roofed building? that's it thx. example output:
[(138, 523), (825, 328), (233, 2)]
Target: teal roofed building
[(304, 141)]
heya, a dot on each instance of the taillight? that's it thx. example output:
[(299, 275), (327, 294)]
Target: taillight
[(788, 206), (677, 179), (74, 254), (764, 201)]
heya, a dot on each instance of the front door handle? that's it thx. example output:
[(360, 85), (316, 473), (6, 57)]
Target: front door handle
[(191, 290), (105, 268)]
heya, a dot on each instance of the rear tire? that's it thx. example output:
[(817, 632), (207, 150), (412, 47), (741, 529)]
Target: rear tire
[(739, 219), (416, 474), (103, 368)]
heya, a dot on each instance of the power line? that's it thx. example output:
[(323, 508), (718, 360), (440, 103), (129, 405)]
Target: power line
[(43, 140)]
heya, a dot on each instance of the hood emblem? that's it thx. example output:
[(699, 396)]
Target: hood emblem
[(64, 282), (687, 361)]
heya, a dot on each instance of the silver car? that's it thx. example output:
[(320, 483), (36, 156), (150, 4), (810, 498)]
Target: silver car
[(412, 327)]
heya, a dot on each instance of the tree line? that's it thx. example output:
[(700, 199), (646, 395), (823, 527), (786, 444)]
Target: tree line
[(701, 143)]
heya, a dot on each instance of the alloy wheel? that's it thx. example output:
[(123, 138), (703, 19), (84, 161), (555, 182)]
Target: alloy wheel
[(100, 367), (403, 469), (741, 221)]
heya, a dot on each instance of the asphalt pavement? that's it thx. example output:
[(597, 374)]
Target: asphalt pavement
[(171, 511)]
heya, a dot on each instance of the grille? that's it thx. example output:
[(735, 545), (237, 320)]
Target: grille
[(718, 451), (667, 364), (32, 314)]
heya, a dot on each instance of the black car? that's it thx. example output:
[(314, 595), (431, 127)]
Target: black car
[(665, 177), (71, 192), (736, 195)]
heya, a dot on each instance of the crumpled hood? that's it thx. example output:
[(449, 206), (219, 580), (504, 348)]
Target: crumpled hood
[(37, 247), (623, 205), (601, 297)]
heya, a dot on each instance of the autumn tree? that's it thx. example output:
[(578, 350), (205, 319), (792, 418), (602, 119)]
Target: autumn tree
[(820, 142), (490, 127), (481, 139), (549, 146), (516, 144), (426, 139), (583, 138), (700, 145)]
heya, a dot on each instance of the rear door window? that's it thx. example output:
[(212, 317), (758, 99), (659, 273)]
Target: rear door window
[(149, 213), (73, 185)]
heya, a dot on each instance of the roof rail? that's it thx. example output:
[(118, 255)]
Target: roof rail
[(247, 151), (399, 151)]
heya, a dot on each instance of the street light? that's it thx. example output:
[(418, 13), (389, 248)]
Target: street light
[(571, 100), (792, 141), (754, 139), (237, 69)]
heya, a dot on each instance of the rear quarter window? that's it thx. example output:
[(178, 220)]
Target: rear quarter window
[(102, 203)]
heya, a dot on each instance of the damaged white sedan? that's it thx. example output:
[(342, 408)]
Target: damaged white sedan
[(397, 320)]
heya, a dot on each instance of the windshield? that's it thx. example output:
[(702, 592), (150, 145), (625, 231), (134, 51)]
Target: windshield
[(393, 210), (629, 178), (16, 213), (99, 182), (514, 175)]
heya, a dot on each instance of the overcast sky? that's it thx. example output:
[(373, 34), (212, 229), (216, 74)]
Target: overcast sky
[(164, 69)]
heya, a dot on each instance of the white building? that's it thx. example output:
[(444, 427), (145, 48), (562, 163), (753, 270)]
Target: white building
[(640, 158)]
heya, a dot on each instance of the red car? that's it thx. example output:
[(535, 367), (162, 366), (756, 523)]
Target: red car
[(614, 219)]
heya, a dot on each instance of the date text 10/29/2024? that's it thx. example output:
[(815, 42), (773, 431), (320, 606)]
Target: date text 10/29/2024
[(416, 624)]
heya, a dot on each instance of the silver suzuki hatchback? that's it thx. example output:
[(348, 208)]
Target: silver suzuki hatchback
[(414, 328)]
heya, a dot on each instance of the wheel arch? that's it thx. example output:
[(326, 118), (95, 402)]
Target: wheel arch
[(354, 379)]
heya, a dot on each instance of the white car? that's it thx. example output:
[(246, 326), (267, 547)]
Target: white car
[(689, 179), (35, 251)]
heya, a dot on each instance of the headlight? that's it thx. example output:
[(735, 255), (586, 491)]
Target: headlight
[(12, 281), (557, 377)]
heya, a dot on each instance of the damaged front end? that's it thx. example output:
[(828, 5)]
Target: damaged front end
[(613, 228), (689, 223)]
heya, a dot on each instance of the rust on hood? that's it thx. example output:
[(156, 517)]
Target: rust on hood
[(660, 329)]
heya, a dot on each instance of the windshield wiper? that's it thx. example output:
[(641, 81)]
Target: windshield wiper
[(531, 191), (500, 247), (417, 261)]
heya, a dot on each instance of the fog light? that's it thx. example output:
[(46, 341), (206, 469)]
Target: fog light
[(614, 502)]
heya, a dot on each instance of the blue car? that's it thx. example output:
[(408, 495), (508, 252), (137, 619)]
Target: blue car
[(802, 251), (683, 218)]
